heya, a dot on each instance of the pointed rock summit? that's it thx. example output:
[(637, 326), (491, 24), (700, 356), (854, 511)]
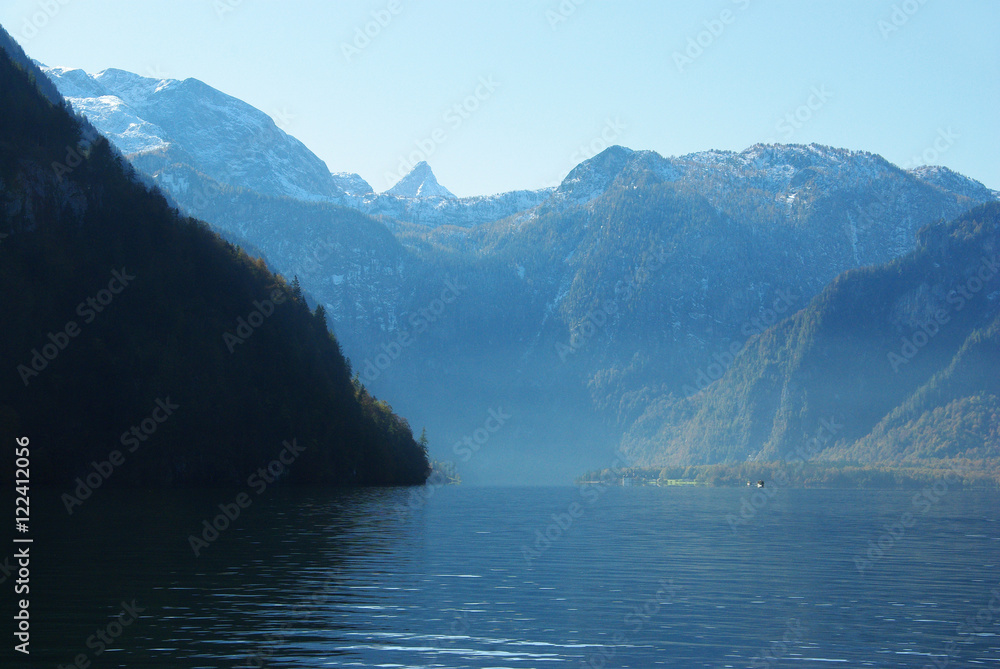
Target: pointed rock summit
[(420, 182)]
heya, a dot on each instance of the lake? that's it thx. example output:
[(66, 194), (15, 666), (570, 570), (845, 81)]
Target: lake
[(519, 577)]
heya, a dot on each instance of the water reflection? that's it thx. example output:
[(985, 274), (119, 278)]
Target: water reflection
[(479, 578)]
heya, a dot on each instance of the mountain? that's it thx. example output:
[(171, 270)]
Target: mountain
[(347, 261), (803, 185), (146, 351), (420, 183), (352, 184), (893, 364), (157, 123), (946, 179), (174, 130), (438, 211)]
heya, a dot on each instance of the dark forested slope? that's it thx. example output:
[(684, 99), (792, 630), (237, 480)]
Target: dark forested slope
[(129, 328)]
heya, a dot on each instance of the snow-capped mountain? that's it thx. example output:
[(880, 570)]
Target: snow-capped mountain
[(593, 177), (420, 182), (464, 212), (164, 124), (160, 122), (782, 171), (161, 125), (877, 204), (946, 179), (419, 198), (352, 184)]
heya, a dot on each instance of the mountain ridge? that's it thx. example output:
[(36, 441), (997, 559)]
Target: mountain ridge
[(142, 140), (162, 123)]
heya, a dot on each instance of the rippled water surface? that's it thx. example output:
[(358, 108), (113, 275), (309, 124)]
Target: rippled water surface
[(532, 577)]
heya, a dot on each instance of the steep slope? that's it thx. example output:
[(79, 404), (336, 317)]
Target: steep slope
[(897, 363), (161, 122), (688, 254), (131, 326), (17, 55)]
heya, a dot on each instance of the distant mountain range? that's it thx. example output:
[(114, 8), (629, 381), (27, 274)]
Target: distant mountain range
[(587, 310), (165, 125)]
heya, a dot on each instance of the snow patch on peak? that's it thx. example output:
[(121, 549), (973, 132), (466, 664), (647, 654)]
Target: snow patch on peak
[(352, 184), (135, 90), (942, 177), (593, 177), (158, 122), (420, 183), (74, 82), (710, 157), (782, 168)]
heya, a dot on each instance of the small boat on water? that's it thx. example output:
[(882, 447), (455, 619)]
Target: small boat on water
[(760, 483)]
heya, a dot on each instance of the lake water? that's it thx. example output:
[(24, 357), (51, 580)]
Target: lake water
[(626, 577)]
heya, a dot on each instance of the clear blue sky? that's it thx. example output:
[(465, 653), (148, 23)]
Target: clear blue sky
[(609, 67)]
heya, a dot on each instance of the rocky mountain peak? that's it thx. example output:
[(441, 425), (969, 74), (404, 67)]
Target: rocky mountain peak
[(420, 182)]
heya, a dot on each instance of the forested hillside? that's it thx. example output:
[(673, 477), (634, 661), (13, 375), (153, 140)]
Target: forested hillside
[(894, 364), (129, 325)]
